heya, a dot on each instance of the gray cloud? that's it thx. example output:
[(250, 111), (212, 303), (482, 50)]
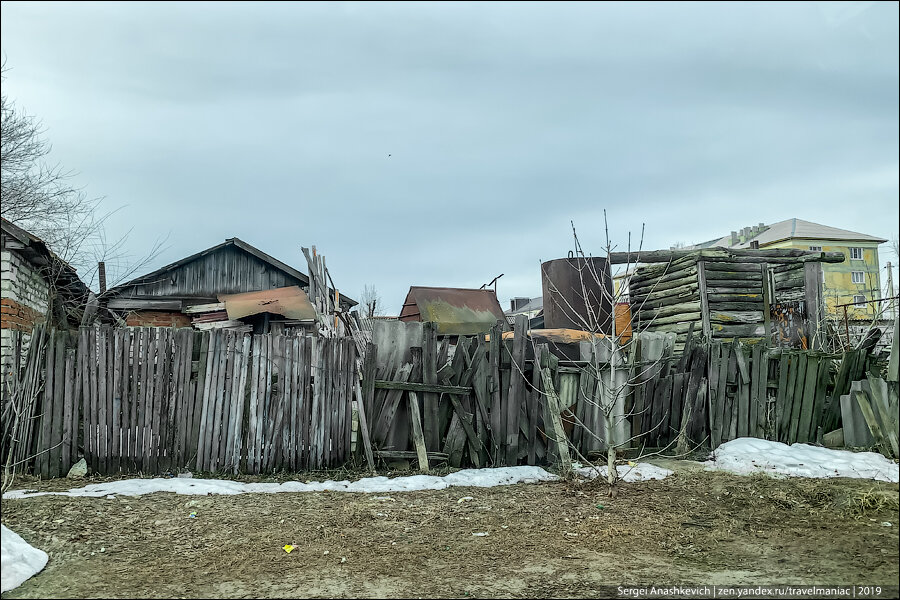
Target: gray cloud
[(274, 122)]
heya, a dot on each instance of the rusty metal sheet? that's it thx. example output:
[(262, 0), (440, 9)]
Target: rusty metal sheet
[(290, 302), (456, 311)]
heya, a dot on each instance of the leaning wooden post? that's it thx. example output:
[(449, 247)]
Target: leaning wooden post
[(556, 426)]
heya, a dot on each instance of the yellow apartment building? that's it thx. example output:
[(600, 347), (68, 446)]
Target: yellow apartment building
[(857, 279)]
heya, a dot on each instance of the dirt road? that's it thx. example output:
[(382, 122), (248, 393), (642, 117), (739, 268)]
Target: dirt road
[(560, 539)]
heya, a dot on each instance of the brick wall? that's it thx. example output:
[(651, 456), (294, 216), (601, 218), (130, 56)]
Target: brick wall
[(24, 300), (156, 318)]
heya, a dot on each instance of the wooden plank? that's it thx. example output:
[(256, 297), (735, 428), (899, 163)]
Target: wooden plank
[(103, 343), (556, 431), (125, 395), (433, 457), (145, 399), (222, 398), (516, 398), (42, 449), (715, 417), (862, 400), (187, 401), (879, 401), (797, 396), (466, 419), (238, 417), (364, 430), (454, 445), (267, 420), (233, 376), (732, 397), (847, 420), (70, 390), (317, 353), (117, 342), (723, 410), (84, 366), (368, 380), (208, 407), (306, 412), (780, 396), (198, 388), (704, 301), (498, 432), (160, 393), (254, 421), (809, 392), (756, 357), (422, 387), (429, 376), (417, 434), (818, 402), (58, 391)]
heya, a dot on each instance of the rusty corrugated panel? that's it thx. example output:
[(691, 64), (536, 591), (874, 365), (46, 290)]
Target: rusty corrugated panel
[(290, 302), (456, 311)]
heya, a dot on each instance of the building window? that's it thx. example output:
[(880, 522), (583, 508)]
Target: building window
[(859, 300), (856, 254), (815, 248), (858, 276)]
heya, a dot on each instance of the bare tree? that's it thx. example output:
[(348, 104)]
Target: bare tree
[(370, 300), (613, 367), (41, 198)]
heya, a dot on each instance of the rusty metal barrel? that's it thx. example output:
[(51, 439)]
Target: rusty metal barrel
[(578, 294)]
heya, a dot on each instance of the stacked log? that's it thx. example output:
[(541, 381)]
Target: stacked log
[(665, 298)]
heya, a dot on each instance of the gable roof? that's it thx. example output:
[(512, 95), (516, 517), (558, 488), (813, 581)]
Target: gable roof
[(230, 242), (795, 228)]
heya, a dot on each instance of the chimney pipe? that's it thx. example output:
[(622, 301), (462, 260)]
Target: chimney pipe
[(101, 274)]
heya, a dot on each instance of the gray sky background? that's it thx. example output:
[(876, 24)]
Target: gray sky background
[(444, 144)]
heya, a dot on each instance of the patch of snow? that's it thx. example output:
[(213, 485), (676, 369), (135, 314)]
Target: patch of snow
[(467, 477), (627, 473), (752, 455), (20, 560)]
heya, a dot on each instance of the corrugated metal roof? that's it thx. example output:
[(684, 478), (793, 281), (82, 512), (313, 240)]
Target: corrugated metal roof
[(456, 311), (291, 302)]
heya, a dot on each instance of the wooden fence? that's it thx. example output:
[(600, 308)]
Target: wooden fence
[(733, 389), (161, 400), (158, 400)]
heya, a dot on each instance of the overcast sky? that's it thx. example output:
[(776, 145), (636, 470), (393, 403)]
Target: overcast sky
[(444, 144)]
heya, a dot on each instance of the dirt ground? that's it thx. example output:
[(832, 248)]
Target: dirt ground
[(560, 539)]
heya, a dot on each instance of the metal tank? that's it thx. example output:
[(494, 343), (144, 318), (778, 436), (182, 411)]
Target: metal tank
[(573, 294)]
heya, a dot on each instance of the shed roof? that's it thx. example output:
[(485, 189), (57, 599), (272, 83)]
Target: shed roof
[(456, 311)]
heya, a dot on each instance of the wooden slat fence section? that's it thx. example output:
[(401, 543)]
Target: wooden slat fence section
[(158, 400)]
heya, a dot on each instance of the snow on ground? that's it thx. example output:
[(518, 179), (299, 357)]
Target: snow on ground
[(467, 477), (20, 561), (751, 455), (629, 473)]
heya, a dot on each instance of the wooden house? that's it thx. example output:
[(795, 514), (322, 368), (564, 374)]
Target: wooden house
[(264, 293)]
